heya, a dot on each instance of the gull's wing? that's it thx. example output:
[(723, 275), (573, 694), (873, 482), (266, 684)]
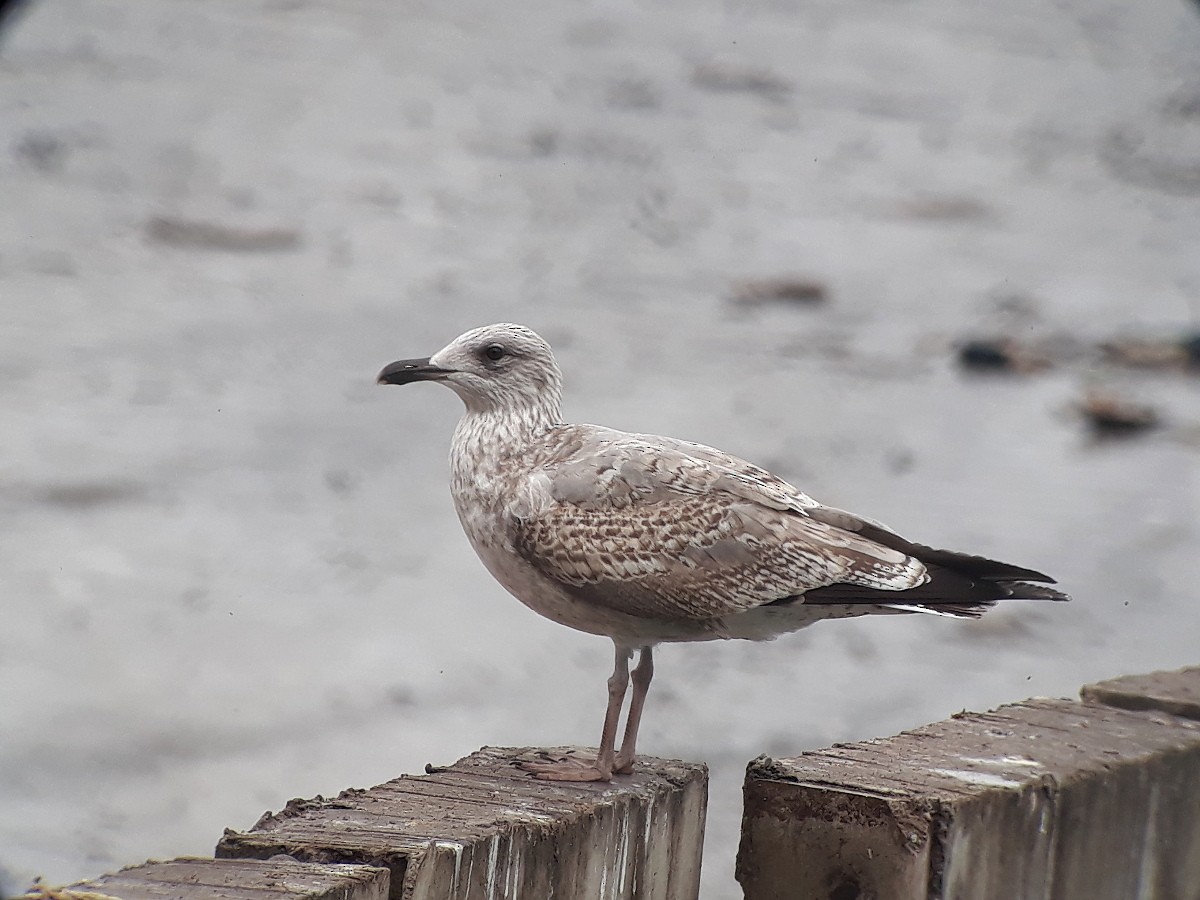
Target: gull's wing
[(660, 528), (976, 566)]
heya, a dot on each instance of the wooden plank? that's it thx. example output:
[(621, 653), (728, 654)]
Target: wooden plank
[(190, 878), (1041, 799), (1177, 692), (482, 829)]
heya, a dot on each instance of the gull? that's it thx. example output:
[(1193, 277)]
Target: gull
[(647, 539)]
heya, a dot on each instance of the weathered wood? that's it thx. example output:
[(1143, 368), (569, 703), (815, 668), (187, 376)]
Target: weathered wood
[(482, 830), (1177, 692), (231, 879), (1041, 799)]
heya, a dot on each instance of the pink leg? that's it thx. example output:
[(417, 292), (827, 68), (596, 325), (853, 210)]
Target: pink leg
[(641, 686), (601, 768)]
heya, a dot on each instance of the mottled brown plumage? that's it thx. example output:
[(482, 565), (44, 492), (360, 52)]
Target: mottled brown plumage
[(647, 539)]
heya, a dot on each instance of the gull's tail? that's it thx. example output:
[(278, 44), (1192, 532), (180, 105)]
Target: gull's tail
[(959, 585)]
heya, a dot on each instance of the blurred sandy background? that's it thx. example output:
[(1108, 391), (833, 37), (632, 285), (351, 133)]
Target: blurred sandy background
[(230, 572)]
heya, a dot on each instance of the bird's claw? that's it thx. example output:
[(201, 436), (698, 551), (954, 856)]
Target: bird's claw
[(565, 768)]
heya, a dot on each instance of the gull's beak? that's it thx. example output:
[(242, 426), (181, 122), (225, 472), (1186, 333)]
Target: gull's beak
[(406, 371)]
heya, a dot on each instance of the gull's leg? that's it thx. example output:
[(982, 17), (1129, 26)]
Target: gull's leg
[(641, 685), (600, 768)]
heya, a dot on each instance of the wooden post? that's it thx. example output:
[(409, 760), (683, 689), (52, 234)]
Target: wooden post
[(483, 830), (1177, 693), (228, 879), (1038, 800)]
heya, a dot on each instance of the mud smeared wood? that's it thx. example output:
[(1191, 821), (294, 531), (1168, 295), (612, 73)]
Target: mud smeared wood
[(229, 879), (482, 828), (1040, 799)]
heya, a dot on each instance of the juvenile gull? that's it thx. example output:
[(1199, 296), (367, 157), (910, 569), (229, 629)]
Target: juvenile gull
[(647, 539)]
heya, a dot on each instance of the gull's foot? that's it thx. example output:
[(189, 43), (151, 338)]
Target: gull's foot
[(568, 767), (621, 767)]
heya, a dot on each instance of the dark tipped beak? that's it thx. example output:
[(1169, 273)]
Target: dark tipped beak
[(406, 371)]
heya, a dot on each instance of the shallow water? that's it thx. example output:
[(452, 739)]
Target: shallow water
[(231, 570)]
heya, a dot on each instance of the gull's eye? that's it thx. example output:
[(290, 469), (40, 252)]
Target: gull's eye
[(494, 352)]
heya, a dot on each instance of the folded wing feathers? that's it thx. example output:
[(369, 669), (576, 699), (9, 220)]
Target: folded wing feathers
[(658, 527), (978, 566)]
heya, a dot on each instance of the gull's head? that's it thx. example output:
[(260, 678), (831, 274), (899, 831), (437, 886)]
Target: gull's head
[(496, 367)]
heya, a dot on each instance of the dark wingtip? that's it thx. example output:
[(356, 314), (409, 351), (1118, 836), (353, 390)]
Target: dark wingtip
[(993, 570), (1039, 577), (1022, 591)]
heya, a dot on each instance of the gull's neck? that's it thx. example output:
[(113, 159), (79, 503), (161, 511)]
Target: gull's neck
[(487, 436)]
